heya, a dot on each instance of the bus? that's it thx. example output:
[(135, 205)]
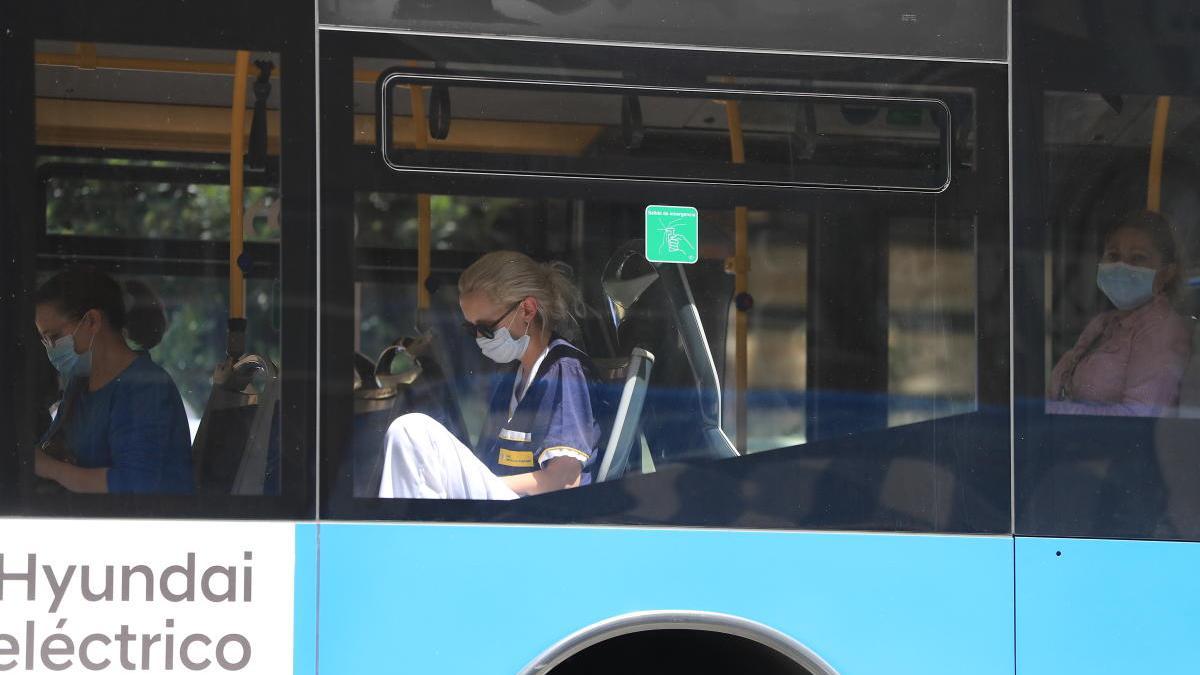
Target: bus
[(888, 311)]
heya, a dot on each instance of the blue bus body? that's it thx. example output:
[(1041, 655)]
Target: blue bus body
[(864, 603), (929, 191)]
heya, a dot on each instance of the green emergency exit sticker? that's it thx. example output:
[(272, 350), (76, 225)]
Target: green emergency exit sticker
[(672, 234)]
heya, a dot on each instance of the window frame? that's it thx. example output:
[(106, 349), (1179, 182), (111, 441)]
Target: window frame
[(983, 436), (1097, 63), (273, 26), (509, 165)]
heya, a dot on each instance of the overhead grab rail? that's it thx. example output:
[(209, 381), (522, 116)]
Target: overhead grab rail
[(928, 170)]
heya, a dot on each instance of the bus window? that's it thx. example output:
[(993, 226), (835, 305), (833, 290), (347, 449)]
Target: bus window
[(161, 260), (1120, 377), (606, 130), (551, 342)]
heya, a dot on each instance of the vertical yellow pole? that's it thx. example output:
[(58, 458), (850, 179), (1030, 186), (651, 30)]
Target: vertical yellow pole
[(237, 152), (424, 215), (741, 283), (1158, 141)]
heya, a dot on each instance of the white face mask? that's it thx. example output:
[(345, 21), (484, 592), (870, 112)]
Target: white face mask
[(503, 348), (1125, 285)]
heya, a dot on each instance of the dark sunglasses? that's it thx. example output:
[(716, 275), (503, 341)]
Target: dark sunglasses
[(488, 330)]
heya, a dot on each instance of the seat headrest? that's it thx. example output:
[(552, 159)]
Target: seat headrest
[(628, 274)]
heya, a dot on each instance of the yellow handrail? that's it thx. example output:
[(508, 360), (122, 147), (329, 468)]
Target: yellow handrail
[(741, 283), (1158, 141), (237, 152), (424, 215), (85, 57)]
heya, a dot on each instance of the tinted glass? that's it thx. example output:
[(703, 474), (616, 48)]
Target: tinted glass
[(606, 130), (170, 383), (816, 359), (1111, 433), (963, 29)]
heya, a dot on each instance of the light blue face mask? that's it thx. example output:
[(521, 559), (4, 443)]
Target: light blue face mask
[(503, 348), (66, 360), (1125, 285)]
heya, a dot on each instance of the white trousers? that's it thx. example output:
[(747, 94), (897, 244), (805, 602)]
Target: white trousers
[(425, 461)]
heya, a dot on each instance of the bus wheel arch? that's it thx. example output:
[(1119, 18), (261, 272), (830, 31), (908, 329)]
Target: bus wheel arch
[(714, 631)]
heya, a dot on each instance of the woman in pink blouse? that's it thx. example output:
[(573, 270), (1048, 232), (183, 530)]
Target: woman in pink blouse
[(1129, 360)]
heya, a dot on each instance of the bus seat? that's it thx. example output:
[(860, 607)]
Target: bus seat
[(236, 450), (1189, 385), (1175, 452), (376, 404), (370, 395), (405, 378), (432, 393), (685, 385), (634, 375)]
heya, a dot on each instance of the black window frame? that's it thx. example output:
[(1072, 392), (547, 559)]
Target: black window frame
[(275, 26), (1130, 500), (432, 161), (982, 436)]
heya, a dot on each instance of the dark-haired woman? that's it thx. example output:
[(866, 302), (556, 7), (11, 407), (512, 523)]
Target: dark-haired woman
[(121, 425), (1129, 360)]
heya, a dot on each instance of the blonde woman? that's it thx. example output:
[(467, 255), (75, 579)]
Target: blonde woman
[(541, 432)]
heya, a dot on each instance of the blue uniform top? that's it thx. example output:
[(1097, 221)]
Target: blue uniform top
[(556, 417), (136, 426)]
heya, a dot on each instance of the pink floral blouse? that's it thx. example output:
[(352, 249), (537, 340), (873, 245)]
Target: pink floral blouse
[(1124, 363)]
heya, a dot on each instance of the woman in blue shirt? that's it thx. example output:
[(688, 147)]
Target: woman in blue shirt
[(121, 426), (541, 432)]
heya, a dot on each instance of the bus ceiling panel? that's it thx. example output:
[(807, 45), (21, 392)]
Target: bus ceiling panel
[(1148, 47), (143, 86), (1115, 119), (959, 29), (212, 24), (141, 126)]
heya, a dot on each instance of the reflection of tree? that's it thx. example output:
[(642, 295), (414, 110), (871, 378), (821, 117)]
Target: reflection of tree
[(196, 307), (458, 223)]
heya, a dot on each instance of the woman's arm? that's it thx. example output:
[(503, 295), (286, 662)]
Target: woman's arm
[(73, 478), (1090, 333), (1158, 356), (557, 474)]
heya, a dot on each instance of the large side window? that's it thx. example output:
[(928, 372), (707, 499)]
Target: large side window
[(778, 321), (1112, 428), (157, 334)]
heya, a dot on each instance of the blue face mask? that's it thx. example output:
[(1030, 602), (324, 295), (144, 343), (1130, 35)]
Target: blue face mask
[(66, 360), (1125, 285)]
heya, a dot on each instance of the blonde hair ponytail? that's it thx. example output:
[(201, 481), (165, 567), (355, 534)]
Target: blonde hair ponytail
[(507, 277)]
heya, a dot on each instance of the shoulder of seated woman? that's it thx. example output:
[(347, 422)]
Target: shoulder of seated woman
[(145, 373), (1158, 318)]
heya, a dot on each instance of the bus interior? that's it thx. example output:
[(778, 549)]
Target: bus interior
[(830, 338)]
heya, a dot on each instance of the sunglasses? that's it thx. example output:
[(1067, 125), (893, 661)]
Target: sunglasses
[(488, 330)]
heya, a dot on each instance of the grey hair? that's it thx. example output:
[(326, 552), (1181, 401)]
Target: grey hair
[(508, 277)]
